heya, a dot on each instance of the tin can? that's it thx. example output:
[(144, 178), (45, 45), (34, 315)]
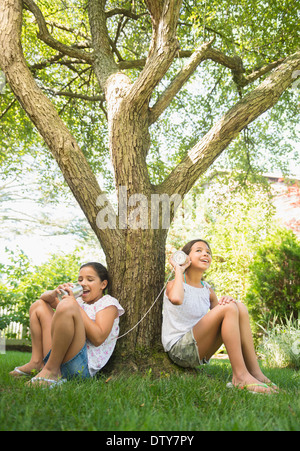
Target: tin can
[(77, 290), (180, 258)]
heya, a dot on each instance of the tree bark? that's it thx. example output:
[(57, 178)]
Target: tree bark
[(137, 273)]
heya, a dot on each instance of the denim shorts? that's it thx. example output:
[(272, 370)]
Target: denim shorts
[(185, 352), (77, 367)]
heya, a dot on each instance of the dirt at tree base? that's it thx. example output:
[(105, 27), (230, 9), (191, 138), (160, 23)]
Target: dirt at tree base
[(154, 361)]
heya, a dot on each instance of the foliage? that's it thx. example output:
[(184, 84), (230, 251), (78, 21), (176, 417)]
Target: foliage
[(281, 344), (22, 284), (233, 215), (275, 276), (258, 32), (237, 23)]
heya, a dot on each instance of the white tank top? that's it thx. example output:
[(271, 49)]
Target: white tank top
[(180, 319)]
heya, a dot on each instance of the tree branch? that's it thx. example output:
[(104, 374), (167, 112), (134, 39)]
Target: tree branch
[(46, 37), (165, 99), (7, 110), (74, 95), (104, 63), (255, 74), (73, 31), (229, 126), (42, 113), (163, 48), (155, 8), (235, 63), (46, 63), (124, 12), (131, 64)]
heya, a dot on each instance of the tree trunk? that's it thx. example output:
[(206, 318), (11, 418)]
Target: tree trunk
[(137, 273)]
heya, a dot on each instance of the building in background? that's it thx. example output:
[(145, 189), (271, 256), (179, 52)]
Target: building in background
[(287, 201)]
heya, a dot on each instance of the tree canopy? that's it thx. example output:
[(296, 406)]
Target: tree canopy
[(250, 38)]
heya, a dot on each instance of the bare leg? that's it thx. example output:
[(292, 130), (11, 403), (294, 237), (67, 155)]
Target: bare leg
[(68, 338), (223, 324), (248, 345), (41, 315)]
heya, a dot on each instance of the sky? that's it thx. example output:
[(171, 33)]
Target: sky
[(39, 241)]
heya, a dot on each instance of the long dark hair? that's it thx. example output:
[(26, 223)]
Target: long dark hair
[(187, 248), (100, 270)]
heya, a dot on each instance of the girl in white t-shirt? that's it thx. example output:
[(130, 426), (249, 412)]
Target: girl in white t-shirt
[(73, 337), (196, 323)]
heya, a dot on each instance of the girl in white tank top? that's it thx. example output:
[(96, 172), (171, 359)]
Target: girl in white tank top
[(196, 322)]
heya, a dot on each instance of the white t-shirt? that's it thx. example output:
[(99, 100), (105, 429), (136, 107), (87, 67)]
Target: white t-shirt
[(180, 319), (98, 356)]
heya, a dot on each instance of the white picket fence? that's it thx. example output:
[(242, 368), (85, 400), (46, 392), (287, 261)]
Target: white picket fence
[(14, 328)]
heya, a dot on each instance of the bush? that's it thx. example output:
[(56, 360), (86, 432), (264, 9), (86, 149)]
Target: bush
[(281, 343), (275, 277), (24, 284)]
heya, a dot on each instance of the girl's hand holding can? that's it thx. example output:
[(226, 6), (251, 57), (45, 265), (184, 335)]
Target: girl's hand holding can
[(69, 289), (180, 260)]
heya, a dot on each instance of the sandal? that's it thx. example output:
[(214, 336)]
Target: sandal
[(230, 385), (18, 372), (257, 392), (51, 383)]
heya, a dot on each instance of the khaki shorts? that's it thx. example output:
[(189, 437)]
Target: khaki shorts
[(185, 352)]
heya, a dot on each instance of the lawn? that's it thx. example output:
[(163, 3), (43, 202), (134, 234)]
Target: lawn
[(186, 402)]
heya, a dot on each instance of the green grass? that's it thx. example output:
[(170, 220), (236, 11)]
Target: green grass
[(187, 402)]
